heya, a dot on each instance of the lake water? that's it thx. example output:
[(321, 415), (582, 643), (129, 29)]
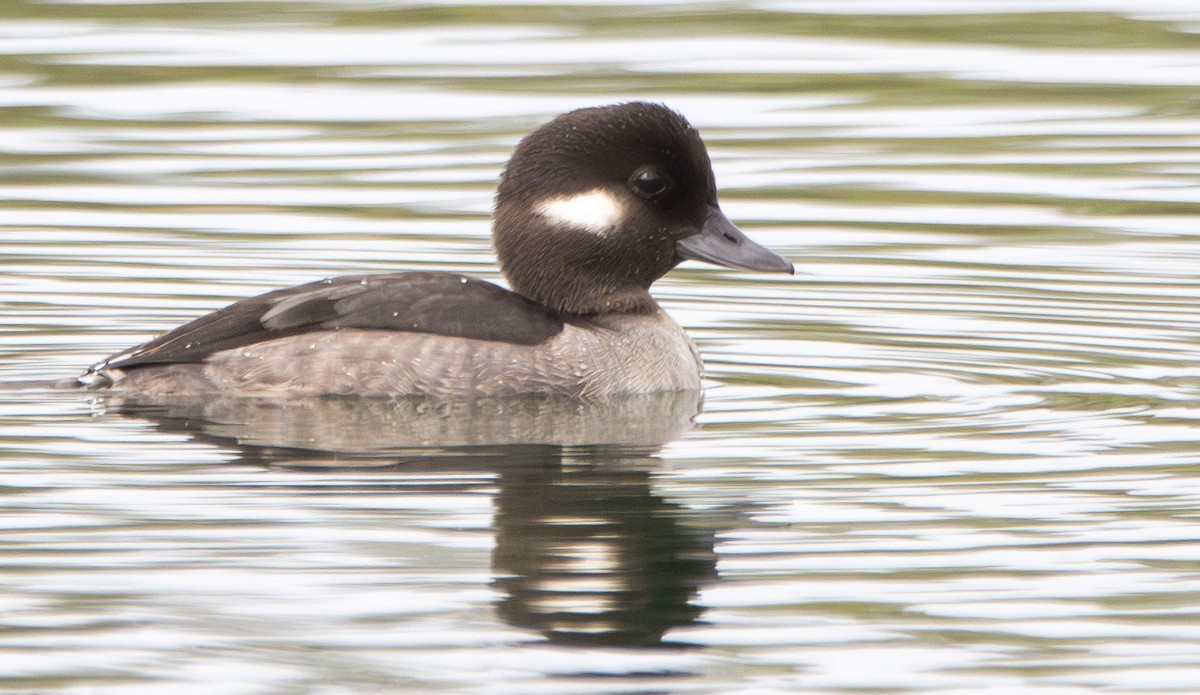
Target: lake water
[(957, 453)]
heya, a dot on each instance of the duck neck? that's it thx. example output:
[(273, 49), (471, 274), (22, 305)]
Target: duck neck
[(581, 295)]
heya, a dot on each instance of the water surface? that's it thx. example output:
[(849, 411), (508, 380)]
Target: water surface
[(956, 452)]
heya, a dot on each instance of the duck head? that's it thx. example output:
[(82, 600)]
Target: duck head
[(597, 204)]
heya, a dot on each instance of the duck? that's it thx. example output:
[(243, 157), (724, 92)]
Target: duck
[(592, 208)]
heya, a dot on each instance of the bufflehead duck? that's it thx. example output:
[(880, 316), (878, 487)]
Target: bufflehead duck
[(593, 207)]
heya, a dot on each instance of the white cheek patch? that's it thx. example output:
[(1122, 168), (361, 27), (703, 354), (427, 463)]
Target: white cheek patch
[(596, 211)]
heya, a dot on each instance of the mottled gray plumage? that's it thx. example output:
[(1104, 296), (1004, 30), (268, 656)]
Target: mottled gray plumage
[(626, 353)]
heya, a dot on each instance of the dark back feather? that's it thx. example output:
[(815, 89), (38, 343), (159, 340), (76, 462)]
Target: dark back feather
[(433, 303)]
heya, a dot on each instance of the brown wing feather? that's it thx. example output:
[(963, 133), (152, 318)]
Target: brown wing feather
[(436, 303)]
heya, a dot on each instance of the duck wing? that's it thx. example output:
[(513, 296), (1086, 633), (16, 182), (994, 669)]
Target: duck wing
[(434, 303)]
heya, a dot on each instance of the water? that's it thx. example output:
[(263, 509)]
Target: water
[(957, 453)]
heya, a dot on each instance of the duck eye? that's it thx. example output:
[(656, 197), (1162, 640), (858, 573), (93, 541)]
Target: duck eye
[(649, 182)]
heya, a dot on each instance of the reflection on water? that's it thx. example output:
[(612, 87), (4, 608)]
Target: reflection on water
[(585, 553), (366, 427), (591, 556), (955, 453)]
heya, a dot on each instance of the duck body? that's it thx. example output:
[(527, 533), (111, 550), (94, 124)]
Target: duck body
[(408, 334), (593, 207)]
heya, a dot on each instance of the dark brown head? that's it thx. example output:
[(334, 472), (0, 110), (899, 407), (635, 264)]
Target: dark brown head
[(599, 203)]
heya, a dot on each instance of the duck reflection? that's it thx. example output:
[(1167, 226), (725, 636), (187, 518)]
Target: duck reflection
[(586, 553), (590, 555)]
